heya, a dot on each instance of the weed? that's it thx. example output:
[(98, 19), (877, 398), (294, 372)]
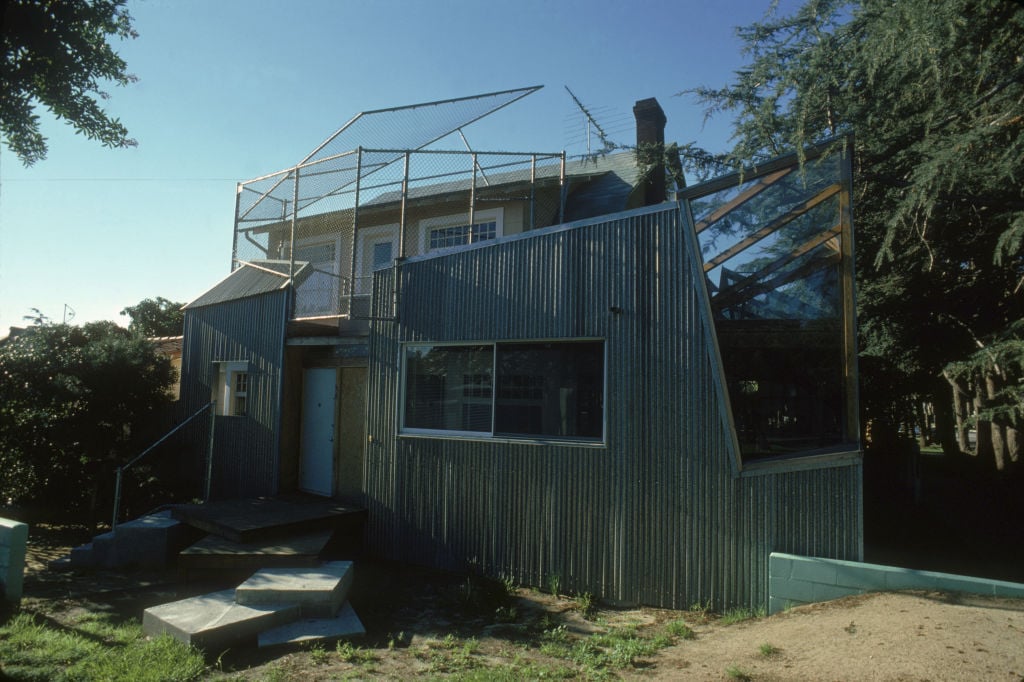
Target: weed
[(509, 583), (737, 673), (318, 654), (506, 614), (396, 640), (768, 650), (851, 628), (554, 583), (585, 604), (701, 609), (350, 653), (274, 673), (680, 629)]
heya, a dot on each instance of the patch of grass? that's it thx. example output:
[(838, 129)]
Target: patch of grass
[(737, 673), (93, 648), (451, 655), (701, 609), (506, 614), (554, 585), (738, 615), (768, 650), (680, 629)]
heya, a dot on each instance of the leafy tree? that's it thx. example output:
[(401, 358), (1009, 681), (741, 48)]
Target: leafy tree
[(156, 317), (932, 92), (74, 403), (56, 54)]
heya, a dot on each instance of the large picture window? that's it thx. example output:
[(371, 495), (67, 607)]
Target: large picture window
[(536, 389)]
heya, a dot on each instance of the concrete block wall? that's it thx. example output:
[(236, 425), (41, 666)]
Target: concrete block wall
[(13, 538), (795, 580)]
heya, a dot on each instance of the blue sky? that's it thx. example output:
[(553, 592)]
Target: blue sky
[(229, 90)]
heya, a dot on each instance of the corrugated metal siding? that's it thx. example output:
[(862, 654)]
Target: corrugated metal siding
[(246, 449), (658, 516)]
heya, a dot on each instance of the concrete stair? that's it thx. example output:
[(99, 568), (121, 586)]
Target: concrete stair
[(150, 541), (274, 606)]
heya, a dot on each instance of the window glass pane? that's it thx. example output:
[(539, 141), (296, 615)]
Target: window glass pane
[(550, 389), (460, 235), (448, 387), (772, 260), (381, 255)]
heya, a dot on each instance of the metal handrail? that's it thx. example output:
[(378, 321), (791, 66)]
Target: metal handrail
[(121, 469)]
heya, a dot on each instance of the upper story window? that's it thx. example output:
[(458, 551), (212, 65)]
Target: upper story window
[(543, 389), (452, 231)]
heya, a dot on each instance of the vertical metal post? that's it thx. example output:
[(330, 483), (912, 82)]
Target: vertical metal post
[(533, 191), (353, 275), (295, 218), (117, 498), (561, 190), (405, 196), (234, 236), (472, 201), (848, 288), (209, 452)]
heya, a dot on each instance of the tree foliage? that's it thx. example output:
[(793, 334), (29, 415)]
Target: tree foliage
[(933, 93), (74, 403), (57, 55), (156, 317)]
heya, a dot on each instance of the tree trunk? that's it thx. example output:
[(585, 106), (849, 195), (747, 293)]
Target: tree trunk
[(948, 425), (921, 420), (998, 430), (1014, 445), (983, 427)]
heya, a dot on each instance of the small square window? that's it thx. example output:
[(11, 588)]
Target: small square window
[(232, 394)]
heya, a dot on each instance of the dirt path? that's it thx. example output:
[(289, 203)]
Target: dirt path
[(892, 636)]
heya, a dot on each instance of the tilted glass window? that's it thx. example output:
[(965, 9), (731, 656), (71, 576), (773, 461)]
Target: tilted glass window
[(551, 389), (776, 252)]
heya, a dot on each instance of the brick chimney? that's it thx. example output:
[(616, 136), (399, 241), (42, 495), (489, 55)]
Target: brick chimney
[(650, 148)]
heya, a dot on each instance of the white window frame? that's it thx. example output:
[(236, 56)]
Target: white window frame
[(225, 393), (491, 435), (491, 215)]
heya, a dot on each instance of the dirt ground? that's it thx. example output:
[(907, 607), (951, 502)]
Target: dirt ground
[(415, 619)]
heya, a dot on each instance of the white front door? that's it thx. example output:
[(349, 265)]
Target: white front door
[(316, 463)]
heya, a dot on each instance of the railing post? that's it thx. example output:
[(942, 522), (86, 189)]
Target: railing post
[(117, 498), (209, 452)]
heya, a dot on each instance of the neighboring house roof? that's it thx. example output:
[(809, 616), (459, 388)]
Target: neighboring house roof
[(14, 333), (167, 345), (250, 279)]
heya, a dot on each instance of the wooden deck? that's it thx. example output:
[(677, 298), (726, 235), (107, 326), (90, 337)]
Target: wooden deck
[(248, 534), (262, 518)]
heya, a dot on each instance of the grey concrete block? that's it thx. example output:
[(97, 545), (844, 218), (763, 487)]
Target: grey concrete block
[(150, 541), (345, 624), (320, 591), (104, 550), (13, 538), (214, 622), (904, 579), (83, 556)]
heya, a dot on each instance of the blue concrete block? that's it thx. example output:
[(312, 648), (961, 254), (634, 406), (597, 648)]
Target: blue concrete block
[(863, 576), (780, 565), (814, 570), (794, 590), (14, 538), (828, 592)]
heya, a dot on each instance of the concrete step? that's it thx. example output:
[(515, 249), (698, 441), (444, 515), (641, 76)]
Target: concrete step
[(319, 591), (228, 562), (151, 541), (266, 518), (345, 624), (214, 622)]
